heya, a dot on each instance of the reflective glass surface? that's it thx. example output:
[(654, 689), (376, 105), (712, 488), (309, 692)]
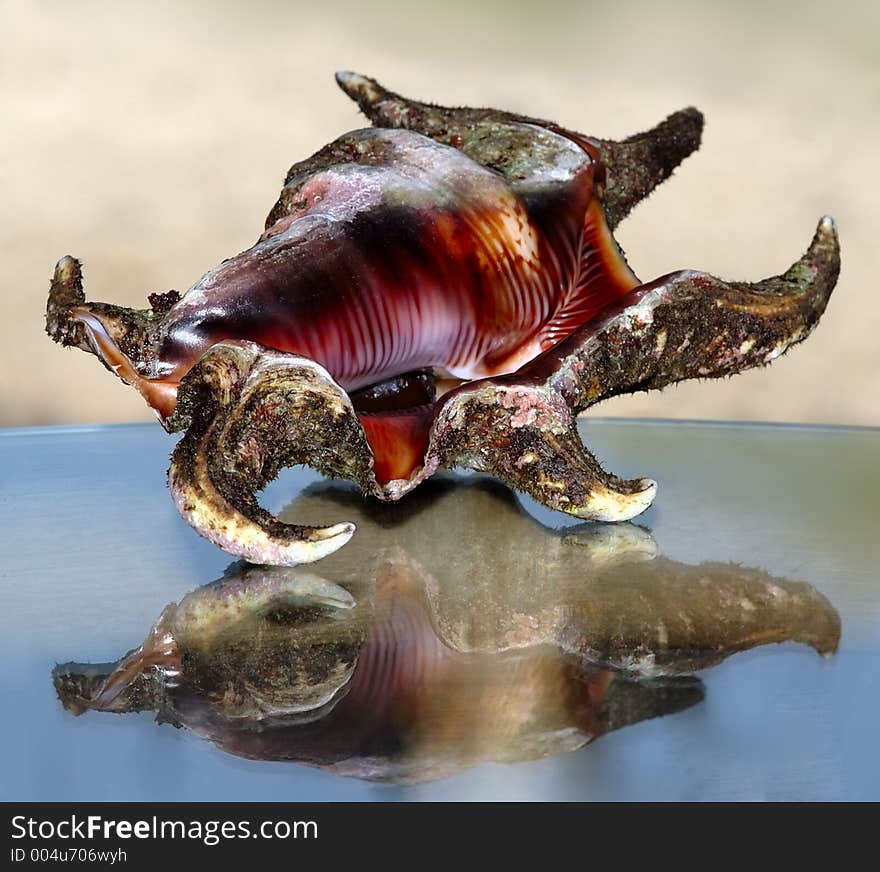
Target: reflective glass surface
[(466, 644)]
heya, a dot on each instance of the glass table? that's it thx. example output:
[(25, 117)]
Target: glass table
[(467, 644)]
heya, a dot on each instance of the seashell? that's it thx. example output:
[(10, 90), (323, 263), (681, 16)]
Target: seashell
[(440, 290)]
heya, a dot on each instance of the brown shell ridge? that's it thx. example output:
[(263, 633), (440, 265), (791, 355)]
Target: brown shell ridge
[(634, 167)]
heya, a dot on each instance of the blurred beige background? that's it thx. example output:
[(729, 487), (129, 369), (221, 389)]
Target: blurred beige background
[(150, 140)]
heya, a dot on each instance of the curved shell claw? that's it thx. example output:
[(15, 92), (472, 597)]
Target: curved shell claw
[(253, 412), (690, 324)]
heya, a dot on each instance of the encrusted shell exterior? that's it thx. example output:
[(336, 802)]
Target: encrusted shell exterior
[(470, 247)]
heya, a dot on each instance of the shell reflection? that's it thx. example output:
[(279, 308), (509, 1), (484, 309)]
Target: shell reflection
[(454, 630)]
